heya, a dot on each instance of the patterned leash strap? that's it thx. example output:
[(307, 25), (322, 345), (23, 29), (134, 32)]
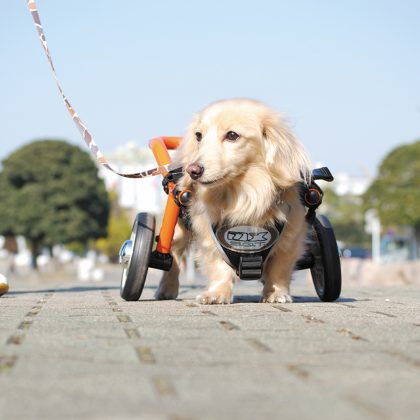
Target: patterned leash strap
[(87, 137)]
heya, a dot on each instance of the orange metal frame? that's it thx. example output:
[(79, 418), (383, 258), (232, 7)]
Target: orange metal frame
[(160, 147)]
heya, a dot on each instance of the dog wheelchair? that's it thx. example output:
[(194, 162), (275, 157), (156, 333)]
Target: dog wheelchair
[(243, 247)]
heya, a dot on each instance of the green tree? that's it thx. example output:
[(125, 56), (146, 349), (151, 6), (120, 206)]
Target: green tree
[(119, 230), (395, 193), (51, 194), (347, 217)]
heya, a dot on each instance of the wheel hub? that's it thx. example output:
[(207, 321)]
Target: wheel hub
[(125, 253)]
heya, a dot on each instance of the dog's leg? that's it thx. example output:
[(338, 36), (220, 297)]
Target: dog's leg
[(277, 279), (279, 268), (169, 283), (221, 278)]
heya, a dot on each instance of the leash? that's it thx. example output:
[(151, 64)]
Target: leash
[(87, 137)]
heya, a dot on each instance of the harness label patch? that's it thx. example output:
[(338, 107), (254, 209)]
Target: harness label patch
[(247, 238)]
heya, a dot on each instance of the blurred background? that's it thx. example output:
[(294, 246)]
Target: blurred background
[(345, 74)]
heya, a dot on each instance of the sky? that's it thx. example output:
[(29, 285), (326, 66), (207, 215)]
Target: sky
[(346, 74)]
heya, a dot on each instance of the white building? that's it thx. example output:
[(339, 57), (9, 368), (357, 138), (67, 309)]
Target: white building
[(345, 184), (138, 194), (348, 184)]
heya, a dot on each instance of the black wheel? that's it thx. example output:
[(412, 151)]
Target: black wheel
[(135, 255), (326, 271)]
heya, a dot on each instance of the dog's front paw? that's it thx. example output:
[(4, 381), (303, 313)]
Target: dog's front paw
[(165, 295), (167, 290), (276, 297), (216, 297)]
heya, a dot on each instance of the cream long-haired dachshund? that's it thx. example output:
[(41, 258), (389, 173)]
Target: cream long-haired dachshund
[(244, 167)]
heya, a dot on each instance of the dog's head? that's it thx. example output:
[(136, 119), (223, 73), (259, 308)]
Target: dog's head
[(229, 138)]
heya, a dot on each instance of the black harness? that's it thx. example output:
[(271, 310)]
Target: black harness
[(246, 248)]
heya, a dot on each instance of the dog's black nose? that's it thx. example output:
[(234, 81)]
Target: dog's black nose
[(195, 170)]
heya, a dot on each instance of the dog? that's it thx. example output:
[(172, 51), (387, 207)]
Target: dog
[(244, 167)]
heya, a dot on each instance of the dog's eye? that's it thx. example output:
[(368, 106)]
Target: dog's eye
[(231, 136), (198, 136)]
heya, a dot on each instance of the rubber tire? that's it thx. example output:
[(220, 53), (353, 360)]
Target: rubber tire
[(326, 272), (142, 235)]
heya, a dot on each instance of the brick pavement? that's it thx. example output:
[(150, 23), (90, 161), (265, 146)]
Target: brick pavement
[(76, 350)]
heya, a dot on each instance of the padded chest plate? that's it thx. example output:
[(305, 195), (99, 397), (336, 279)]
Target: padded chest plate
[(247, 239), (245, 248)]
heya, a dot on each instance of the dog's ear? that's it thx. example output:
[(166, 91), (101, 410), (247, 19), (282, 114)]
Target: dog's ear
[(284, 154)]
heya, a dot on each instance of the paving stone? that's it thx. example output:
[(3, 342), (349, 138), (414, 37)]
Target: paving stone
[(76, 350)]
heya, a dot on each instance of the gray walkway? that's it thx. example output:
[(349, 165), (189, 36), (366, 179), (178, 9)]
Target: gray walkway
[(76, 350)]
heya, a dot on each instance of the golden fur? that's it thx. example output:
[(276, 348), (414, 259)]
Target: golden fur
[(253, 180)]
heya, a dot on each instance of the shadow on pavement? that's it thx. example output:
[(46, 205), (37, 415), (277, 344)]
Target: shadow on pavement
[(296, 299), (65, 290), (254, 298)]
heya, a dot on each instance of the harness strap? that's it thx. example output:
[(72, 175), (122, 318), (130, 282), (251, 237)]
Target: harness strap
[(87, 137)]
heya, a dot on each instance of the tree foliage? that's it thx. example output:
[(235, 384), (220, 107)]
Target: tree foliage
[(395, 193), (119, 230), (51, 194), (347, 217)]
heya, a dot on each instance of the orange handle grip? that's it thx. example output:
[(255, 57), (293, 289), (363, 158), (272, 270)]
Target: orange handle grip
[(172, 142), (160, 151), (159, 146)]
